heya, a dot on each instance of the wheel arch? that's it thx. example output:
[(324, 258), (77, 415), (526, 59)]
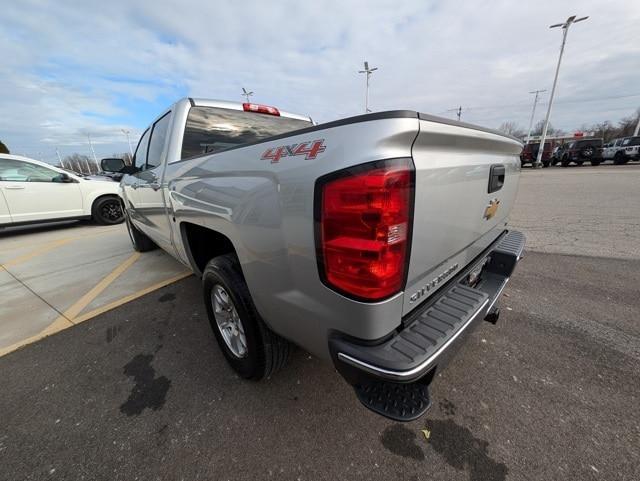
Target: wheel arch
[(201, 244)]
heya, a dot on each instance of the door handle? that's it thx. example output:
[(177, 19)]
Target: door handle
[(154, 185), (134, 186), (14, 187), (496, 178)]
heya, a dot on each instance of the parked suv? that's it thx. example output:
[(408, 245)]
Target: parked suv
[(581, 151), (610, 150), (530, 153), (629, 150), (558, 152)]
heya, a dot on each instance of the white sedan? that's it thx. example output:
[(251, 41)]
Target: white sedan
[(32, 191)]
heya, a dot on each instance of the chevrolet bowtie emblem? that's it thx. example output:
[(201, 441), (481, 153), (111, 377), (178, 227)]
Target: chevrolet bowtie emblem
[(491, 209)]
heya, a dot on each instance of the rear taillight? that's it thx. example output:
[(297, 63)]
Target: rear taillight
[(261, 109), (363, 231)]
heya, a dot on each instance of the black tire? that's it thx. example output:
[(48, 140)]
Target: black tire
[(546, 164), (266, 352), (580, 162), (565, 162), (619, 159), (107, 210), (595, 163), (140, 241)]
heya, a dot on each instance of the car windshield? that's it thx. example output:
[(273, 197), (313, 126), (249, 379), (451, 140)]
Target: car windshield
[(633, 141)]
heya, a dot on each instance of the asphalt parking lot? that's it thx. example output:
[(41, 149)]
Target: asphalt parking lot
[(550, 392)]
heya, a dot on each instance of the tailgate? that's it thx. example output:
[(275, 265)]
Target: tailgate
[(455, 215)]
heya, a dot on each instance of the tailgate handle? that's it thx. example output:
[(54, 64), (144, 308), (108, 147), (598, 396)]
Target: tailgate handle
[(496, 177)]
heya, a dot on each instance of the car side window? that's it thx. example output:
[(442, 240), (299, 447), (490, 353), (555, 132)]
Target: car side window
[(18, 171), (140, 157), (156, 145)]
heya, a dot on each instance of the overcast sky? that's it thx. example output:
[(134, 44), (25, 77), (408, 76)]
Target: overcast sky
[(70, 68)]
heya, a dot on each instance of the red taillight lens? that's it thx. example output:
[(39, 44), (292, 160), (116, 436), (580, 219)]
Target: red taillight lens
[(261, 109), (364, 229)]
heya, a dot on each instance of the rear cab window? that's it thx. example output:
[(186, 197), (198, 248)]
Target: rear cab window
[(214, 129), (591, 143)]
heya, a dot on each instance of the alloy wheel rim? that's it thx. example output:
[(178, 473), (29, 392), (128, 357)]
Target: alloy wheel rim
[(228, 321), (111, 211)]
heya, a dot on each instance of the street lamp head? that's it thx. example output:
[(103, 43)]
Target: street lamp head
[(569, 21)]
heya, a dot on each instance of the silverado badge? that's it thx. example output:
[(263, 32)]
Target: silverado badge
[(491, 209)]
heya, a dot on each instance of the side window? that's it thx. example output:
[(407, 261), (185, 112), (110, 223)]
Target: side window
[(158, 137), (18, 171), (140, 157)]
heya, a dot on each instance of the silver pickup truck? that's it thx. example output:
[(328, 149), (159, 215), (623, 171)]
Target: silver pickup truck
[(374, 242)]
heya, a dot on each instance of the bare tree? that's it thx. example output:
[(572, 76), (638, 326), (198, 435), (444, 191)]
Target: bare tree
[(78, 163), (551, 130), (510, 127)]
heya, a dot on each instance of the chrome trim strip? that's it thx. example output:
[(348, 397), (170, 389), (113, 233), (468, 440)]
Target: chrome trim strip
[(404, 375)]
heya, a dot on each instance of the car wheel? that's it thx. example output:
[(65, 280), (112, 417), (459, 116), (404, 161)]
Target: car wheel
[(595, 163), (250, 347), (618, 159), (565, 162), (546, 164), (141, 242), (107, 211), (580, 162)]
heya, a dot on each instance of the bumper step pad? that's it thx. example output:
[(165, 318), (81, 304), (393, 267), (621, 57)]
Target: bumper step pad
[(401, 402)]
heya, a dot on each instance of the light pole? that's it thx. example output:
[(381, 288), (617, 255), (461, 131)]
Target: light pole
[(635, 132), (533, 112), (367, 71), (565, 27), (246, 94), (458, 112), (93, 153), (127, 132)]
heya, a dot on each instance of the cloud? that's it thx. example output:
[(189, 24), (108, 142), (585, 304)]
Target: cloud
[(97, 67)]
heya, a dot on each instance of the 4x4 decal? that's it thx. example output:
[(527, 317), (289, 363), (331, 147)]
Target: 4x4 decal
[(310, 150)]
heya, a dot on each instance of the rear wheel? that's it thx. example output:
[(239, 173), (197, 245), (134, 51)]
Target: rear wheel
[(619, 159), (565, 162), (546, 163), (141, 242), (595, 162), (107, 210), (580, 162), (250, 347)]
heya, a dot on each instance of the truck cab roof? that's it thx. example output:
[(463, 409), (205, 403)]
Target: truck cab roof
[(225, 104)]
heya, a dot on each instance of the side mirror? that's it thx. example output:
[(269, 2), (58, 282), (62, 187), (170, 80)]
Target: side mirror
[(112, 165)]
